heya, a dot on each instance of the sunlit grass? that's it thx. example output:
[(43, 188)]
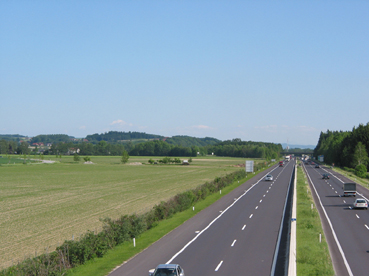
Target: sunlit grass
[(43, 205), (312, 256)]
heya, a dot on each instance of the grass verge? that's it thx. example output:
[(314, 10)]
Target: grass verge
[(102, 266), (312, 256)]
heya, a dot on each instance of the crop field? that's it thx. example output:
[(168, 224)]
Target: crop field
[(41, 205)]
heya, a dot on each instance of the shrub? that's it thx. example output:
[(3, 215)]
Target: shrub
[(360, 170)]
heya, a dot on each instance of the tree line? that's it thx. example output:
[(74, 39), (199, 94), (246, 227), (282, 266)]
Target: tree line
[(250, 149), (345, 148), (232, 148)]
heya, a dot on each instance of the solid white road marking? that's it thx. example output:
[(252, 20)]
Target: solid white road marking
[(243, 228), (251, 216), (233, 243), (219, 266)]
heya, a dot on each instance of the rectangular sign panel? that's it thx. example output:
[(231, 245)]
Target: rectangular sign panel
[(249, 166)]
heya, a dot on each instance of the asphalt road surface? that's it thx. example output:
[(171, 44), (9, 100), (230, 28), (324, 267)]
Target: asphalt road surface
[(237, 235), (346, 229)]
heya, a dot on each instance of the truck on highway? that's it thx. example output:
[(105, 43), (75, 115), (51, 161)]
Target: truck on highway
[(281, 163), (349, 189)]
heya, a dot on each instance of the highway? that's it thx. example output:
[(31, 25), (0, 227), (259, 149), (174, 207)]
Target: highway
[(237, 235), (346, 229)]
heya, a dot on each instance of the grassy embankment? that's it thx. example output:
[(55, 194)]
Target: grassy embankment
[(43, 205), (312, 257)]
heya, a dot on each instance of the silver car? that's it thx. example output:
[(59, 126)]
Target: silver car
[(167, 270), (360, 203), (269, 177)]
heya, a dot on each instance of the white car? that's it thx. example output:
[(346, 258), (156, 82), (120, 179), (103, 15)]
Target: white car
[(269, 177), (167, 269), (360, 203)]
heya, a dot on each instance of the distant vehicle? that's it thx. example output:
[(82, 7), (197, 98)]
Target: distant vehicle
[(269, 177), (287, 158), (325, 176), (360, 203), (349, 189), (317, 166), (312, 163), (167, 269), (281, 163)]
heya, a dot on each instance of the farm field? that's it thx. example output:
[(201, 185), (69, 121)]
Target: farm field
[(41, 205)]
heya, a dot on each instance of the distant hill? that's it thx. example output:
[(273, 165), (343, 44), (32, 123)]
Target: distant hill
[(187, 141), (141, 137), (121, 136), (12, 137), (51, 138)]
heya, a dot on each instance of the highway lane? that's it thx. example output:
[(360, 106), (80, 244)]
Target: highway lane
[(235, 236), (346, 229)]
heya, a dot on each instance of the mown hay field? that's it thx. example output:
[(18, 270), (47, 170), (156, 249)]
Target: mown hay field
[(41, 205)]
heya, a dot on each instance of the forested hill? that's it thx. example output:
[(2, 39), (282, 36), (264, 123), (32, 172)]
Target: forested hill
[(119, 136), (344, 148), (12, 137), (51, 138), (187, 141)]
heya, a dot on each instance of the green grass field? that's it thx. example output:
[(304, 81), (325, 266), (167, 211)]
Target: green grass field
[(44, 204), (312, 257)]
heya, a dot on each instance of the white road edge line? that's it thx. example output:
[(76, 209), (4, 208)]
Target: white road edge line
[(219, 266), (331, 226)]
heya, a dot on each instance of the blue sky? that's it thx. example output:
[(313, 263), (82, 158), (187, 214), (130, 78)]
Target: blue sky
[(257, 70)]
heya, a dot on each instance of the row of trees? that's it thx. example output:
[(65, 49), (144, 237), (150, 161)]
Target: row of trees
[(345, 148), (232, 148), (238, 148)]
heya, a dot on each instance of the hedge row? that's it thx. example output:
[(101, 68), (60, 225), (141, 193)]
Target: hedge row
[(91, 245)]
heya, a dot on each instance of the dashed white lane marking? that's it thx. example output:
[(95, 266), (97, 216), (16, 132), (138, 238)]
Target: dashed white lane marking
[(219, 266), (335, 192), (251, 216), (260, 200), (270, 188), (267, 191), (357, 216), (366, 226), (233, 243), (197, 232), (243, 228), (344, 201), (256, 207), (263, 195)]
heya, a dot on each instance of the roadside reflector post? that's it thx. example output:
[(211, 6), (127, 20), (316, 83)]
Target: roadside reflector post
[(193, 208), (320, 237), (134, 242), (220, 191), (311, 206)]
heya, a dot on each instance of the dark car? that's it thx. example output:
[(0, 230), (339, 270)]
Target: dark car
[(325, 176), (317, 166)]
